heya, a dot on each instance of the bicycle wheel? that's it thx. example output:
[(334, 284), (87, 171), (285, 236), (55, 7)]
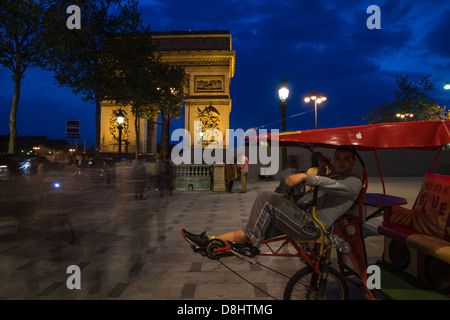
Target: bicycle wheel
[(304, 285)]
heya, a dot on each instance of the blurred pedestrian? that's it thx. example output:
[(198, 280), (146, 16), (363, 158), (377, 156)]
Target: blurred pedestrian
[(138, 175), (243, 165), (84, 164), (230, 176), (291, 192), (166, 176), (151, 167)]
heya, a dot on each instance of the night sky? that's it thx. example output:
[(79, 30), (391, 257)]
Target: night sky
[(317, 45)]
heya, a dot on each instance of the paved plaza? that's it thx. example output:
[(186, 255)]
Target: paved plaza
[(132, 249)]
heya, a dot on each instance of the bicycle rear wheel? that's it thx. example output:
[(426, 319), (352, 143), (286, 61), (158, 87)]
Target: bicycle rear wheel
[(304, 285)]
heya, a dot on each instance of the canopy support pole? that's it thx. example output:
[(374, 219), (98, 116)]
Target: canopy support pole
[(379, 170), (435, 159)]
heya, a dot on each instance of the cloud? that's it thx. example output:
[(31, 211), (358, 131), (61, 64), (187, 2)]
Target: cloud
[(317, 44), (438, 39)]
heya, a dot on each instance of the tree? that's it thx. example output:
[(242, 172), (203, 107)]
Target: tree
[(129, 57), (77, 56), (151, 87), (22, 45), (171, 85), (411, 103)]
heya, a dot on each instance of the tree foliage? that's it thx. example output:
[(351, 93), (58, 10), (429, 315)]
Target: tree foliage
[(112, 57), (171, 86), (141, 80), (411, 98), (76, 56), (129, 57), (22, 45)]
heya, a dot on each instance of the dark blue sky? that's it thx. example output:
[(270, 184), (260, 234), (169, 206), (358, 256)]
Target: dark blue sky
[(316, 45)]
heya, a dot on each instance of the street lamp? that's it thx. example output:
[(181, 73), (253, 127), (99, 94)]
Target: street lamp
[(404, 116), (120, 118), (283, 93), (317, 99), (447, 86)]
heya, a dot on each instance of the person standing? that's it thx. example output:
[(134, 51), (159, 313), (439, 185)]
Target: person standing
[(230, 176), (243, 165)]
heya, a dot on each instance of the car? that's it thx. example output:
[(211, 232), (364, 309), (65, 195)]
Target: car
[(19, 166), (18, 184)]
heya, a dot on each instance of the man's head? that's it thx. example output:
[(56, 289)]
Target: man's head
[(344, 159)]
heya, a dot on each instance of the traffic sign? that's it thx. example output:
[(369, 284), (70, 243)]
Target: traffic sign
[(72, 128)]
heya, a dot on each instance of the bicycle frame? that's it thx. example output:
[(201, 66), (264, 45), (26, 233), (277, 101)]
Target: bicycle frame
[(313, 259)]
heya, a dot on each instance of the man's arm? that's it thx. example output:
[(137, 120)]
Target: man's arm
[(344, 187), (294, 179), (350, 186)]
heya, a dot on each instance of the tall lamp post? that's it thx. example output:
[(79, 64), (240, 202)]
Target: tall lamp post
[(120, 119), (317, 100), (283, 93)]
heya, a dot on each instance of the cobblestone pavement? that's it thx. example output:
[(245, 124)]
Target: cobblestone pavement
[(132, 249)]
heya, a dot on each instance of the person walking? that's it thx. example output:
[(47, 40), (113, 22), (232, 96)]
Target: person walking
[(243, 165), (138, 175)]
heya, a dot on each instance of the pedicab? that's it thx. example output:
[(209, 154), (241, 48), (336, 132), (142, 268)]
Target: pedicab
[(415, 260)]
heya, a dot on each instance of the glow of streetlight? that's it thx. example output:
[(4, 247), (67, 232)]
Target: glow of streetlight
[(120, 117), (404, 115), (317, 99), (447, 86), (283, 90)]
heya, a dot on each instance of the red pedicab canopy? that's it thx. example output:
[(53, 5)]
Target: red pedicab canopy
[(415, 135)]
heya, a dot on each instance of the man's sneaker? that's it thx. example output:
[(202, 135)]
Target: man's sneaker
[(197, 241), (245, 251)]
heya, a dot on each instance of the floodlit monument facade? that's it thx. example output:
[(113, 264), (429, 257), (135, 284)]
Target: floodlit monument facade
[(209, 63)]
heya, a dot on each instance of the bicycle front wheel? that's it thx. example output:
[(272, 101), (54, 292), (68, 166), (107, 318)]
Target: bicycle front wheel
[(305, 283)]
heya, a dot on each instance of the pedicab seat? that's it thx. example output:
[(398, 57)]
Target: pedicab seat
[(396, 231), (405, 233), (426, 226)]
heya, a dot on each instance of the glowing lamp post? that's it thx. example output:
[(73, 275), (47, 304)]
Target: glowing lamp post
[(447, 86), (317, 100), (405, 116), (283, 93), (120, 119)]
